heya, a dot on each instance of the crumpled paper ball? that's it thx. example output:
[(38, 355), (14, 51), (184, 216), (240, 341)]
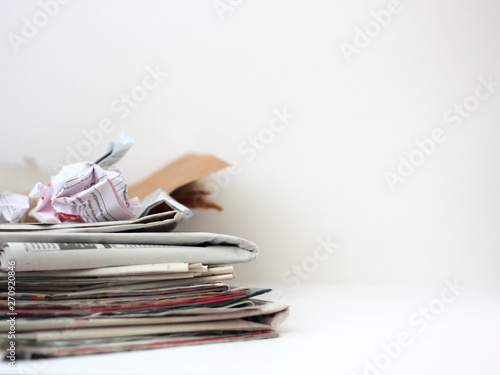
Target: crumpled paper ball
[(84, 193)]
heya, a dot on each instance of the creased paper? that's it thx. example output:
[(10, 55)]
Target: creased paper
[(13, 207), (116, 151), (83, 192)]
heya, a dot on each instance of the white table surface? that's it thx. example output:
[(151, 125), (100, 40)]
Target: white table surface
[(332, 329)]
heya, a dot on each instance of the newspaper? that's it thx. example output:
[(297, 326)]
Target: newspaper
[(140, 330), (52, 250), (83, 311), (194, 314), (62, 348), (160, 222), (277, 312), (138, 280), (189, 289), (134, 270)]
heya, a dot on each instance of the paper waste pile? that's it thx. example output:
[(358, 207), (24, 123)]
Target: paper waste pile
[(101, 272)]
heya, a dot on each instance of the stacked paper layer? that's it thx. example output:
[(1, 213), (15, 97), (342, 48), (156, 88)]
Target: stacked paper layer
[(127, 285)]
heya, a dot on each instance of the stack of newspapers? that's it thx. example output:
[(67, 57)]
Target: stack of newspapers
[(71, 289)]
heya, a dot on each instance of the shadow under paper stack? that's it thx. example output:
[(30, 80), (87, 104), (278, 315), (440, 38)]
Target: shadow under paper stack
[(126, 285)]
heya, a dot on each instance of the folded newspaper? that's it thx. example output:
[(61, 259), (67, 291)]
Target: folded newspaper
[(126, 285), (86, 250)]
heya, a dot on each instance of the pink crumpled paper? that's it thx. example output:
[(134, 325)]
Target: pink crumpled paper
[(84, 193)]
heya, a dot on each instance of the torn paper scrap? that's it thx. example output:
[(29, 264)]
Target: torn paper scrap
[(13, 207), (84, 192), (116, 151)]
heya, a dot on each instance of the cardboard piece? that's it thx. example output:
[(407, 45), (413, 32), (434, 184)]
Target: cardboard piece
[(180, 172)]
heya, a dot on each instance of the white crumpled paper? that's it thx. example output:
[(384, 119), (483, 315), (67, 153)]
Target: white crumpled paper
[(116, 151), (13, 207), (84, 192)]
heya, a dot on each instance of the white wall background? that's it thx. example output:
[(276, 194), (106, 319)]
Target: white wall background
[(323, 175)]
